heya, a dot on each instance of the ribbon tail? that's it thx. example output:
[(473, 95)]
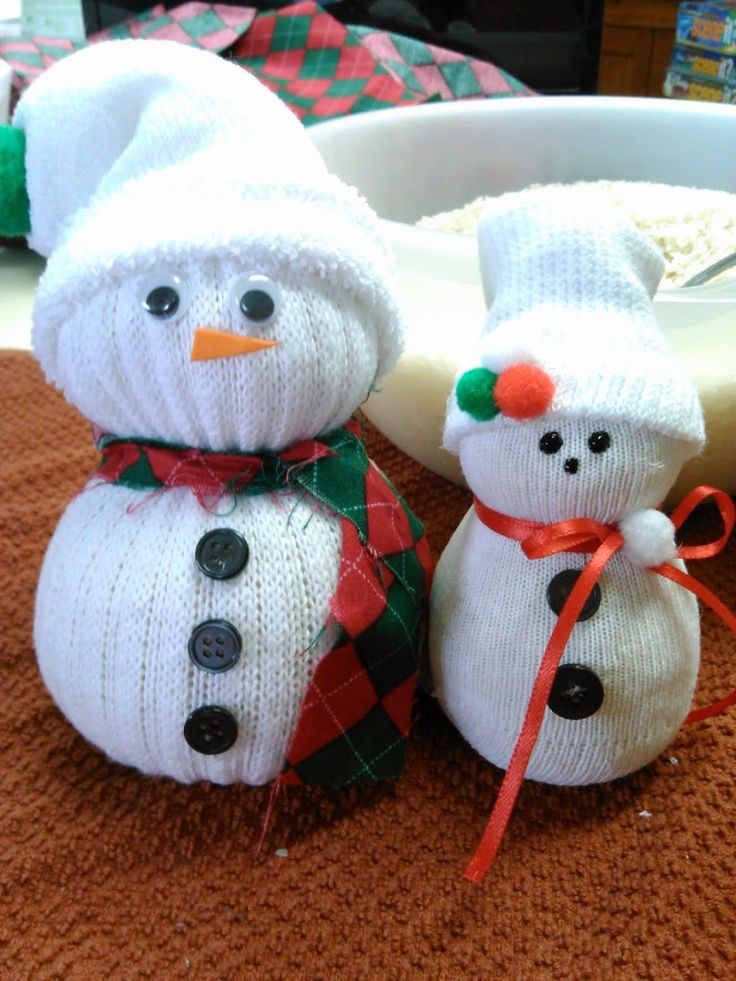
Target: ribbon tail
[(278, 786), (721, 610), (514, 777), (708, 711)]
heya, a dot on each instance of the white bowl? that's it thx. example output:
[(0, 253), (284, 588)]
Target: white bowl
[(5, 78), (425, 159)]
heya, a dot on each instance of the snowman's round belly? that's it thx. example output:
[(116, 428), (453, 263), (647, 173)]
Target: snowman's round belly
[(635, 657), (134, 637)]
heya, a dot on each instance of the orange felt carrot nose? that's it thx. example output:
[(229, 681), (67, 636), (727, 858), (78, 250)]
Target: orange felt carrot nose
[(209, 343)]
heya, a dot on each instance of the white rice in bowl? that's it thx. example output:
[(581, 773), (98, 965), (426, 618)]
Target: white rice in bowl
[(694, 227)]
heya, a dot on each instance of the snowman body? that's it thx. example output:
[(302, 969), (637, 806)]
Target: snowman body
[(561, 645), (122, 599), (162, 664), (628, 671), (218, 305), (491, 621)]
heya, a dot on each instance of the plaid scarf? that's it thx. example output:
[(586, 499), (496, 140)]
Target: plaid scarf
[(354, 720)]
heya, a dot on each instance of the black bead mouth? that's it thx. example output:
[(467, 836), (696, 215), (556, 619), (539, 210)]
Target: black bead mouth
[(571, 465)]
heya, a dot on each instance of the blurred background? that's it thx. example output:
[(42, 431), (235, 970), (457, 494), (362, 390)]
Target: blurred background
[(609, 47), (613, 47)]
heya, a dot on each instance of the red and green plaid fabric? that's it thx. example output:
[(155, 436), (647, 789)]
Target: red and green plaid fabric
[(30, 57), (318, 66), (438, 72), (154, 465), (354, 720), (214, 27)]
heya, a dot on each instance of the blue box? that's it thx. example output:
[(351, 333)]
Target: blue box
[(679, 85), (706, 64), (707, 25)]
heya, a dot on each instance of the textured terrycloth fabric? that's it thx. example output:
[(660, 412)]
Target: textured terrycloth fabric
[(106, 873)]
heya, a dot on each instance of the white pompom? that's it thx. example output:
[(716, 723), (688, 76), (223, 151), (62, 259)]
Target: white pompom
[(649, 538)]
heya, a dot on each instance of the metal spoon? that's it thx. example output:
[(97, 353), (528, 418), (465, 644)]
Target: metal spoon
[(712, 271)]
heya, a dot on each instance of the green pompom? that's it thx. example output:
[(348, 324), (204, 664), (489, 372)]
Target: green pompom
[(474, 393), (15, 209)]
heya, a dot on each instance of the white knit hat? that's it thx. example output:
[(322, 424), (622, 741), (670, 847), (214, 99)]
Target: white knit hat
[(141, 152), (571, 332)]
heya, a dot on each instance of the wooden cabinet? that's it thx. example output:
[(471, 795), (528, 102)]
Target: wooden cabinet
[(635, 49)]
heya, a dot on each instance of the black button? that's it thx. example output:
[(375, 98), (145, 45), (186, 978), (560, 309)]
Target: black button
[(210, 730), (222, 553), (215, 645), (577, 692), (560, 587)]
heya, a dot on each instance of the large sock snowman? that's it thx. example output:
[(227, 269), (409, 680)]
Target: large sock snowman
[(570, 428), (237, 593)]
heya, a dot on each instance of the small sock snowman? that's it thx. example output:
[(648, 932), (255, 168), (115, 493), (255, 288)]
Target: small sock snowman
[(576, 417), (237, 593)]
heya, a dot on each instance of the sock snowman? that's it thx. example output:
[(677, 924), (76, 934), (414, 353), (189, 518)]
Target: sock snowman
[(237, 593), (570, 428)]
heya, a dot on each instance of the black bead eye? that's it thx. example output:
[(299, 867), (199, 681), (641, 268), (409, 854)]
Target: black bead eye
[(257, 297), (162, 302), (599, 441), (550, 442)]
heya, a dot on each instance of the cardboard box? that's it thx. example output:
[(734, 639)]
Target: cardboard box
[(707, 25), (707, 64), (678, 85)]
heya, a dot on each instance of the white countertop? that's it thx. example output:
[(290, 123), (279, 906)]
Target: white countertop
[(19, 272)]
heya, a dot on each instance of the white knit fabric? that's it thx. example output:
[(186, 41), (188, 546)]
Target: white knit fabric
[(490, 623), (149, 165), (186, 157), (572, 296), (571, 284), (120, 593), (132, 373), (508, 471)]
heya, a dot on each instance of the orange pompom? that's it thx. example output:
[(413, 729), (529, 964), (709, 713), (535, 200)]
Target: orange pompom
[(523, 391)]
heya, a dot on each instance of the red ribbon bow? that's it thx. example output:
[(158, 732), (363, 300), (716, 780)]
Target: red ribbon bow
[(585, 535)]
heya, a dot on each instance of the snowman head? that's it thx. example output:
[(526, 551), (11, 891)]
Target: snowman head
[(552, 469), (530, 450), (572, 440), (576, 406), (208, 282), (220, 353)]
